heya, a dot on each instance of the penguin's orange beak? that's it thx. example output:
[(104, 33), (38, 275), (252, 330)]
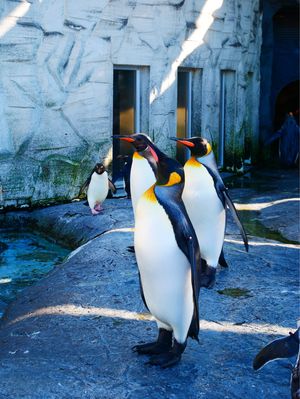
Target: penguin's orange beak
[(124, 138), (184, 142), (129, 139), (187, 143)]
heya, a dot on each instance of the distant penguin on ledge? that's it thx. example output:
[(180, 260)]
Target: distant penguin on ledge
[(97, 185)]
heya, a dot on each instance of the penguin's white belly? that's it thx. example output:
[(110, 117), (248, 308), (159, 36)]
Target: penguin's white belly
[(141, 178), (98, 189), (206, 212), (165, 271)]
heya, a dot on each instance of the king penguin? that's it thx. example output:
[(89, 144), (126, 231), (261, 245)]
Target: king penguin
[(206, 197), (97, 185), (168, 258)]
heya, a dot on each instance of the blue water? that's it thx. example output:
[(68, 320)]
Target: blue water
[(25, 257)]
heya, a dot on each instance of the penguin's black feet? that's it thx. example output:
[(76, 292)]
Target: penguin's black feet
[(208, 277), (163, 344), (170, 358), (130, 248)]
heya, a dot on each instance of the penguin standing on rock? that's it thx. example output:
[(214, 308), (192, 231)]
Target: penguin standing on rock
[(97, 185), (206, 197), (168, 258)]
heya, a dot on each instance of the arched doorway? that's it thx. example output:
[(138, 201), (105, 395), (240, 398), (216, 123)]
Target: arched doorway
[(287, 101), (279, 69)]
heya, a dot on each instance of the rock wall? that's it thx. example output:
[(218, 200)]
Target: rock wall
[(56, 81)]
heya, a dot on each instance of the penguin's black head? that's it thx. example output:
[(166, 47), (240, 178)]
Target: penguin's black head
[(140, 141), (198, 146), (99, 168), (144, 146)]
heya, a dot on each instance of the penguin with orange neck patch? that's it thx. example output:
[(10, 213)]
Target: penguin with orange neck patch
[(168, 257), (206, 197)]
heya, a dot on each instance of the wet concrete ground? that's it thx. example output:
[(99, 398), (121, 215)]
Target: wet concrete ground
[(69, 335)]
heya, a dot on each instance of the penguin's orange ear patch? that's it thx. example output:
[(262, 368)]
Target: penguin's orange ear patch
[(173, 179), (187, 143), (208, 148)]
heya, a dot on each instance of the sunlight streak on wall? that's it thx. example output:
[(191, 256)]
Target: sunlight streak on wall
[(8, 22), (203, 23), (107, 160)]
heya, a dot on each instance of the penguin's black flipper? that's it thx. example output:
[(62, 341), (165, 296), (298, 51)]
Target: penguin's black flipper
[(84, 186), (196, 273), (224, 197), (236, 218), (278, 349), (112, 187), (222, 260), (142, 292), (86, 183), (187, 241)]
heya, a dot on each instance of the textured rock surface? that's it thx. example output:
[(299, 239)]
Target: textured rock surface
[(56, 81), (70, 335)]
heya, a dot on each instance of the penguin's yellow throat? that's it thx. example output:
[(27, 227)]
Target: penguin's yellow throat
[(193, 162), (136, 155)]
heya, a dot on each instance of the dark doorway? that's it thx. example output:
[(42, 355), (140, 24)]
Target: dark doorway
[(279, 69), (285, 71), (183, 112), (124, 109), (287, 101)]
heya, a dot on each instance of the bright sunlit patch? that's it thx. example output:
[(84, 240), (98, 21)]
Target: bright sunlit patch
[(262, 205), (91, 311), (191, 44), (5, 280), (262, 243), (108, 158), (8, 22), (121, 230)]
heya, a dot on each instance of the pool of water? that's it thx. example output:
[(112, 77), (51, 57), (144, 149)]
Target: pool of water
[(25, 257), (284, 183)]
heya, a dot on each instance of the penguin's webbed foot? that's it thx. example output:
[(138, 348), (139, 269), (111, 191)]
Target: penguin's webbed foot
[(163, 344), (152, 348), (208, 277), (98, 208), (170, 358), (94, 212), (130, 248)]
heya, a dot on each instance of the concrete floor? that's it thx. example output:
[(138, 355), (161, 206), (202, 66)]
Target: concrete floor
[(70, 335)]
